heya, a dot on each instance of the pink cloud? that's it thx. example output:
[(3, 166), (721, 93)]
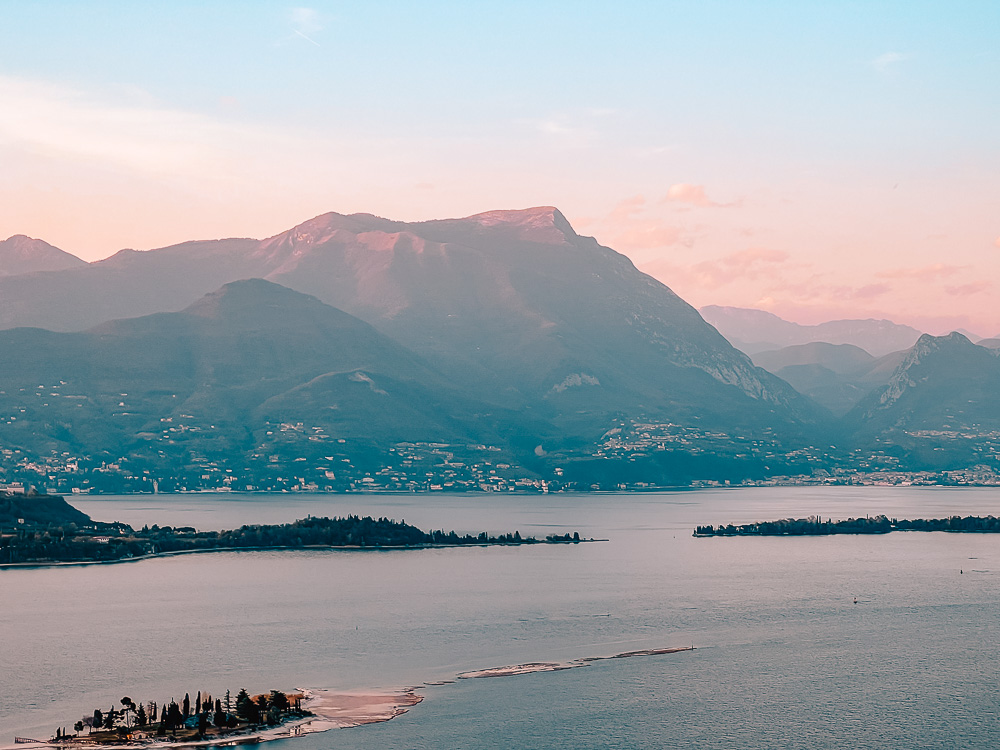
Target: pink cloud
[(935, 271), (997, 242), (650, 235), (965, 290), (627, 208), (752, 263), (684, 192), (869, 291)]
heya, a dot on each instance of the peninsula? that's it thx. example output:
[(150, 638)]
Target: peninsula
[(46, 530), (816, 526)]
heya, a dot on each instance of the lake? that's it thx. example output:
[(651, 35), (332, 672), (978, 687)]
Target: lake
[(784, 657)]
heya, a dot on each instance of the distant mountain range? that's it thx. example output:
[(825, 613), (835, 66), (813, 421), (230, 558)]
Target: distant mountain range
[(497, 351), (505, 328), (836, 376), (756, 331)]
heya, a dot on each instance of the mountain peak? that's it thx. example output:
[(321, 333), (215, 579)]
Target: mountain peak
[(927, 344), (22, 254), (248, 294), (546, 223), (937, 358)]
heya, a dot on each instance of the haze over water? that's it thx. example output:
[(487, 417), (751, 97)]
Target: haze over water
[(784, 658)]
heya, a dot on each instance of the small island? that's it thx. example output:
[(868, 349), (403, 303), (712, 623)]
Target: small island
[(816, 526), (203, 721), (46, 530)]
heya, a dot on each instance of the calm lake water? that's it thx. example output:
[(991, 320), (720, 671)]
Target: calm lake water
[(784, 658)]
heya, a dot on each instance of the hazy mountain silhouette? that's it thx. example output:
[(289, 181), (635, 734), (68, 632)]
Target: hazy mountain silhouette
[(250, 352), (513, 307), (836, 376), (756, 331)]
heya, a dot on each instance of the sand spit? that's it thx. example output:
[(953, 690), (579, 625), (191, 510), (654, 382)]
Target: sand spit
[(337, 710), (533, 667), (341, 710)]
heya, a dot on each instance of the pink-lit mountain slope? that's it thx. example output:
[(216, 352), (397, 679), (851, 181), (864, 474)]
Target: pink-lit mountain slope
[(513, 306), (20, 255)]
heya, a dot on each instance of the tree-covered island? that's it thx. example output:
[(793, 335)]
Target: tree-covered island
[(45, 529), (204, 719), (816, 526)]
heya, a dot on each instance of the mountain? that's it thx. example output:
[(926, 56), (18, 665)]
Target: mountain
[(756, 331), (939, 407), (223, 378), (842, 359), (514, 306), (833, 375), (990, 343), (20, 255)]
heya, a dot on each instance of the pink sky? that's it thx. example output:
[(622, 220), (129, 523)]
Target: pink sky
[(789, 157)]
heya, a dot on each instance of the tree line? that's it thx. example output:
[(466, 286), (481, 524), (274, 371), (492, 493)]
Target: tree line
[(194, 719)]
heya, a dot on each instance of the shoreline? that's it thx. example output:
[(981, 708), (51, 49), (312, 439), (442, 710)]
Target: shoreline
[(332, 709), (305, 547)]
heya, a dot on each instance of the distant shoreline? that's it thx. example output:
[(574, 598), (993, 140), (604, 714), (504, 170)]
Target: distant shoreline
[(287, 548), (874, 525)]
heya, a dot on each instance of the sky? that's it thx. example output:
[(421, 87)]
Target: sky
[(820, 160)]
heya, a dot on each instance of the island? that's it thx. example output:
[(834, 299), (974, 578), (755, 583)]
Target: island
[(46, 530), (816, 526), (204, 721), (272, 715)]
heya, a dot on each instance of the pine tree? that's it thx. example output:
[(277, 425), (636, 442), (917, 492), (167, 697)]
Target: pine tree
[(186, 711), (245, 707)]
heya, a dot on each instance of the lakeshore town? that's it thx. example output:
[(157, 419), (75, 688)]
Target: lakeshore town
[(295, 457)]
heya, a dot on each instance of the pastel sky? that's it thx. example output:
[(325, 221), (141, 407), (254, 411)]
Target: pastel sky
[(816, 159)]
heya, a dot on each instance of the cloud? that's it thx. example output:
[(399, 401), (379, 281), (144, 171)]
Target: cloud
[(694, 195), (965, 290), (52, 121), (626, 209), (644, 236), (306, 23), (869, 291), (887, 60), (996, 242), (564, 131), (935, 271), (750, 264)]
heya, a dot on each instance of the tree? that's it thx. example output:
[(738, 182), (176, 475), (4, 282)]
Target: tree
[(78, 727), (152, 712), (140, 717), (98, 720), (245, 707), (279, 700), (109, 718), (174, 716), (186, 712), (220, 718), (202, 723)]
